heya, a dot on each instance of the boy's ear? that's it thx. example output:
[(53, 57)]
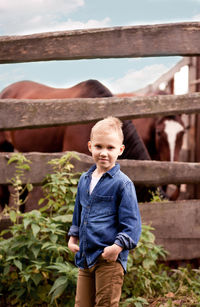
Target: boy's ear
[(122, 147), (90, 146)]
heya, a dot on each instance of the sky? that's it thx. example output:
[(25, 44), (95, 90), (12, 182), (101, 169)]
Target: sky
[(21, 17)]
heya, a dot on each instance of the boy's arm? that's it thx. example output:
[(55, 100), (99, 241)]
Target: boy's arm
[(74, 229), (129, 218), (129, 224)]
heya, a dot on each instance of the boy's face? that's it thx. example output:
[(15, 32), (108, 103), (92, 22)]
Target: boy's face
[(105, 149)]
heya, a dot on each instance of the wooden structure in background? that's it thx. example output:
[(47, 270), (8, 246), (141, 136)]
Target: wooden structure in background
[(177, 224), (192, 122), (118, 42)]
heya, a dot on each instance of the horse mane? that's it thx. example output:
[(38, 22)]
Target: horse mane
[(134, 145), (93, 88), (169, 117), (135, 149)]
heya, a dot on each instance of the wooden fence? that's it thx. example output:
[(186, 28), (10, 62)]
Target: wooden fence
[(177, 224)]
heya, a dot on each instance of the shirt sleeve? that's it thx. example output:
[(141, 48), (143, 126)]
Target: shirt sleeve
[(129, 218), (74, 229)]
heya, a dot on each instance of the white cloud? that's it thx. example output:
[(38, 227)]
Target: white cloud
[(70, 24), (36, 16), (22, 16), (196, 17), (66, 25), (36, 6), (137, 79)]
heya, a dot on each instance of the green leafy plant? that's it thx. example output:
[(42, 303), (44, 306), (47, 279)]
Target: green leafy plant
[(188, 281), (36, 263), (36, 267), (22, 164), (142, 279), (157, 196), (60, 188), (148, 279)]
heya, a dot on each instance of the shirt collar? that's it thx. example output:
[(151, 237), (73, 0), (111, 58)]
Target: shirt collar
[(111, 172)]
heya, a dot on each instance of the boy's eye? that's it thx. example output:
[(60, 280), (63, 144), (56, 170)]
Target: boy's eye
[(98, 146), (110, 147)]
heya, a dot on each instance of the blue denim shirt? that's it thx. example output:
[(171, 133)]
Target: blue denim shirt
[(108, 215)]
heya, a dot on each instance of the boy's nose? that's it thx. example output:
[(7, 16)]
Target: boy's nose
[(103, 152)]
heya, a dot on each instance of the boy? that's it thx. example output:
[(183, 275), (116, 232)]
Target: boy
[(106, 220)]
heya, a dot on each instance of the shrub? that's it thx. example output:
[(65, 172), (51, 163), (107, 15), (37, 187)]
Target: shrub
[(148, 280), (143, 279), (36, 263), (36, 266)]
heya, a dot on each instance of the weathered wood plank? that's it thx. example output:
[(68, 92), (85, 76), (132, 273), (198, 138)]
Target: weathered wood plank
[(180, 249), (179, 217), (22, 113), (177, 227), (132, 41), (149, 173)]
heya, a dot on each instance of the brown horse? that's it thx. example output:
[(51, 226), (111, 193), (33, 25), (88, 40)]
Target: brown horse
[(67, 138), (53, 139)]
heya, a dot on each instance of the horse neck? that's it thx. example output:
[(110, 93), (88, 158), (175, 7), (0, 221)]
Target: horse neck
[(134, 146)]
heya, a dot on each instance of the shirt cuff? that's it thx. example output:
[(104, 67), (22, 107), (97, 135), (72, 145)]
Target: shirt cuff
[(73, 231), (124, 241)]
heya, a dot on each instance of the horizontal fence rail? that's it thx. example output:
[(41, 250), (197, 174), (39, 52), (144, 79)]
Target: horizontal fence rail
[(132, 41), (21, 113), (149, 173)]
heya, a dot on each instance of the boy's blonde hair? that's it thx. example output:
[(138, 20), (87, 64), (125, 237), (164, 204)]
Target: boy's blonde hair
[(106, 125)]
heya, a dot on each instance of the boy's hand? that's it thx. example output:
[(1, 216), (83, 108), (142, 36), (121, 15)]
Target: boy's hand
[(73, 244), (110, 253)]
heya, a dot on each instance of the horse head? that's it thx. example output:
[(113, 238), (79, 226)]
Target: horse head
[(169, 132)]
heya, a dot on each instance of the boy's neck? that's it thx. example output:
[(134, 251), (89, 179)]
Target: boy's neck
[(98, 172)]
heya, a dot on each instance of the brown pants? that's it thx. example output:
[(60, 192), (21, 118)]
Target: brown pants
[(100, 285)]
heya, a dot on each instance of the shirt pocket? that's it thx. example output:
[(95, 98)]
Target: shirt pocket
[(103, 205)]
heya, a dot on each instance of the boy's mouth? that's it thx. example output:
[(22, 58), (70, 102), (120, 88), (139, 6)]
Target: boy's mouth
[(103, 159)]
